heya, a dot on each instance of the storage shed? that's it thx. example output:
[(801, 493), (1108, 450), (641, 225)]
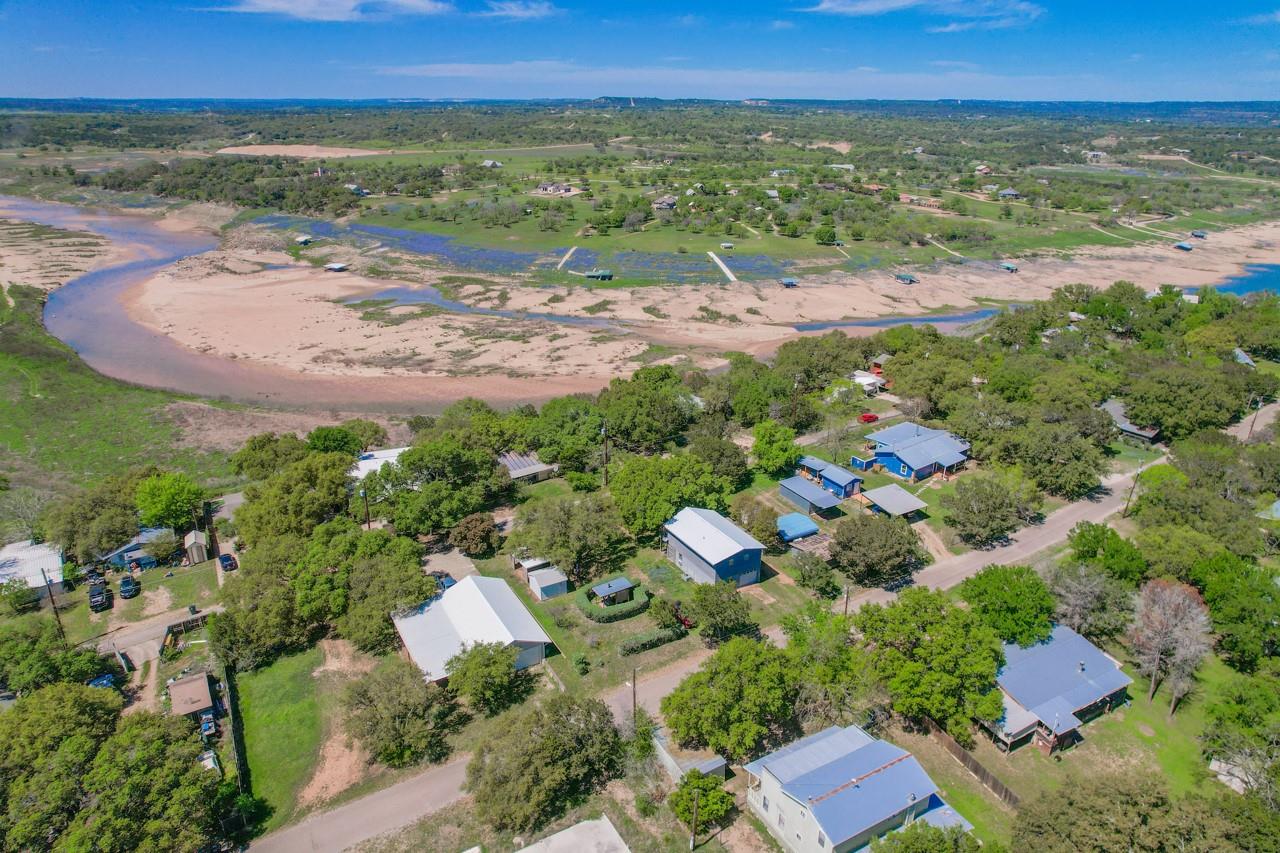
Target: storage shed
[(548, 583), (807, 496), (191, 696), (196, 544), (893, 500), (616, 591)]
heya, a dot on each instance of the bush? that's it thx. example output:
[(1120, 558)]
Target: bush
[(664, 613), (815, 574), (476, 535), (581, 481), (581, 664), (604, 615), (650, 640)]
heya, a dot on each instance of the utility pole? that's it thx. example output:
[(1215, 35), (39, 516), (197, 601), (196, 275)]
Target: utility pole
[(635, 706), (846, 600), (53, 602), (604, 434), (693, 836), (1124, 513), (368, 523)]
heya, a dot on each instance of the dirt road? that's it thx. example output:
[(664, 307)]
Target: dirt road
[(141, 640), (1256, 422), (383, 811)]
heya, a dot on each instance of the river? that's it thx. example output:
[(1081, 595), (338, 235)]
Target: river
[(88, 314)]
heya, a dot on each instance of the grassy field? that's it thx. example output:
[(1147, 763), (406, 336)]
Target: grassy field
[(283, 728), (63, 424)]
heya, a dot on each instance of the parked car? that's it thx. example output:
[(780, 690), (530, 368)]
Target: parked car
[(228, 562), (208, 725), (444, 580), (868, 417), (93, 577), (129, 587), (101, 598), (106, 680)]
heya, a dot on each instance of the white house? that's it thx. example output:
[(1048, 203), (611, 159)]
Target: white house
[(869, 382), (30, 562), (476, 609), (372, 461), (840, 789)]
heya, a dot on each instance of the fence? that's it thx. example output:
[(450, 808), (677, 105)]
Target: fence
[(989, 780), (177, 629)]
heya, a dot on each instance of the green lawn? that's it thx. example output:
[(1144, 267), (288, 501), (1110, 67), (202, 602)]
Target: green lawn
[(196, 585), (1128, 456), (283, 727), (63, 424)]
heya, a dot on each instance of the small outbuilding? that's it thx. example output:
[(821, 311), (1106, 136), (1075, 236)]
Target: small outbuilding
[(134, 551), (374, 460), (893, 500), (548, 583), (335, 267), (191, 696), (196, 544), (790, 282), (1116, 409), (616, 591), (526, 467), (1242, 357), (807, 496), (829, 476), (1183, 246)]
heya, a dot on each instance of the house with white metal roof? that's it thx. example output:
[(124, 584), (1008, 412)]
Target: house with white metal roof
[(709, 548), (1053, 688), (30, 562), (526, 467), (914, 452), (476, 609), (840, 789), (374, 460)]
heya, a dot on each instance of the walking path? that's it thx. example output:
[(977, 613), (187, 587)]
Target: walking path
[(728, 272)]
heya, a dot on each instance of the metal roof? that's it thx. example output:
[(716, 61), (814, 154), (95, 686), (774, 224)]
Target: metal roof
[(850, 781), (813, 463), (795, 525), (1272, 513), (25, 560), (710, 535), (590, 836), (1115, 408), (1242, 357), (522, 464), (829, 470), (150, 534), (476, 609), (894, 499), (1059, 676), (611, 587), (195, 537), (806, 491), (920, 446), (374, 460), (542, 578)]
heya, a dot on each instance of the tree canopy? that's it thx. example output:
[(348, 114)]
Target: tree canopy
[(1013, 601)]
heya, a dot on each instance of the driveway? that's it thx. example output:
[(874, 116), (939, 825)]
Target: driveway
[(381, 812), (1256, 422), (141, 640)]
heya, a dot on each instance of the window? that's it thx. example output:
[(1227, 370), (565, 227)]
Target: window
[(822, 840), (781, 820), (764, 803)]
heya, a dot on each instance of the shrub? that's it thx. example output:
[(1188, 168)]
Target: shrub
[(664, 613), (581, 481), (581, 664), (616, 613), (650, 640), (476, 535)]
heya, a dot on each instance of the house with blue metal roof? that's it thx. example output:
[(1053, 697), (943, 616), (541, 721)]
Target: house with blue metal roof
[(1053, 688), (709, 548), (830, 476), (807, 496), (914, 452), (840, 789), (135, 550)]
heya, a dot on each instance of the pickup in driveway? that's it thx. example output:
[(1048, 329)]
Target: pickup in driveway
[(227, 562)]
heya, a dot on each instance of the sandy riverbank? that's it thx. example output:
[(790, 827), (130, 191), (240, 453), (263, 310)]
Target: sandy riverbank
[(47, 258), (256, 305)]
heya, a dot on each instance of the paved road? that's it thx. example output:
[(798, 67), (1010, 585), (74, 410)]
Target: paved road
[(141, 640), (380, 812)]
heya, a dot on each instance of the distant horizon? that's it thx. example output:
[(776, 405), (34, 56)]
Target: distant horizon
[(996, 50)]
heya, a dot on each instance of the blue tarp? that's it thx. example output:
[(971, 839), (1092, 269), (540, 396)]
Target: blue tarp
[(794, 525)]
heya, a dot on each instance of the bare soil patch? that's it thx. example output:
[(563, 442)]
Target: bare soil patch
[(143, 690), (343, 762), (215, 428), (157, 601)]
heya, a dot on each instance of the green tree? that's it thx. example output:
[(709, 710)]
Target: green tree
[(646, 411), (567, 432), (740, 701), (369, 433), (476, 535), (398, 717), (824, 235), (774, 448), (98, 519), (48, 741), (720, 612), (17, 596), (294, 501), (985, 509), (486, 674), (936, 659), (34, 655), (1104, 547), (714, 803), (147, 790), (838, 684), (1013, 601), (266, 453), (583, 535), (436, 484), (545, 760), (1057, 458), (334, 439), (757, 518), (649, 490), (380, 585), (873, 549), (922, 837), (726, 459), (815, 574)]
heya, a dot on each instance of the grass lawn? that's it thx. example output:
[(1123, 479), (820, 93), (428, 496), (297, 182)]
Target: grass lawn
[(64, 424), (280, 711), (1127, 456), (196, 585)]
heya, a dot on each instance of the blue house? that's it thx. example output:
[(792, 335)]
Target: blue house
[(1053, 688), (134, 551), (914, 452), (828, 475), (840, 789), (709, 548), (807, 496)]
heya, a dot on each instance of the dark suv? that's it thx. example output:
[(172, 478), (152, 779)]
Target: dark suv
[(129, 587), (101, 598)]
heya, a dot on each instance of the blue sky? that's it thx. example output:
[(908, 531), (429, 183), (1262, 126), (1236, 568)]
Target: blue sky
[(1007, 49)]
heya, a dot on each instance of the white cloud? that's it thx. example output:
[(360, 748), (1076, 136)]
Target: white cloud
[(337, 10), (962, 14), (563, 78), (520, 10), (1265, 18), (781, 25), (954, 64)]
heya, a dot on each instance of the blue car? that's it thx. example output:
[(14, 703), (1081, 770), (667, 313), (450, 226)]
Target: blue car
[(444, 580)]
